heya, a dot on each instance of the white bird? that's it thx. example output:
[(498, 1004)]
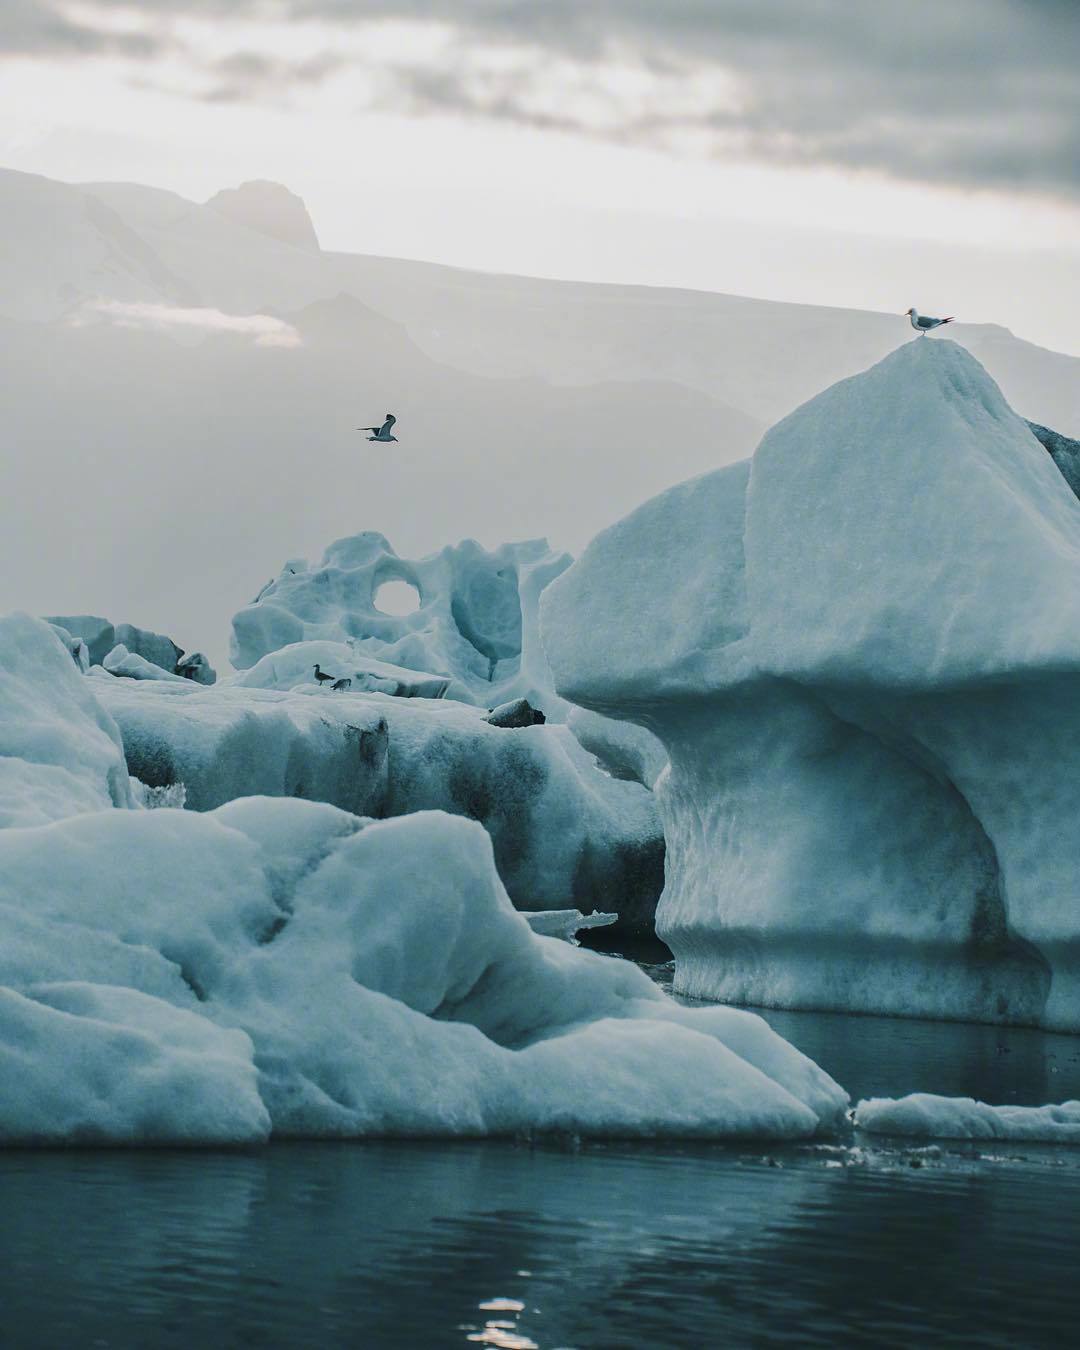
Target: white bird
[(382, 433), (922, 324)]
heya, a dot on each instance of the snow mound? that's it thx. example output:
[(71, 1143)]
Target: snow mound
[(60, 753), (282, 966), (475, 623), (564, 832), (861, 653), (926, 1116)]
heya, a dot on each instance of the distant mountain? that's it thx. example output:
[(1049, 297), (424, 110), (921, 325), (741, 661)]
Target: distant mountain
[(270, 209), (179, 392)]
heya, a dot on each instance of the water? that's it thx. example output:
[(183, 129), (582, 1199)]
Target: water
[(597, 1247)]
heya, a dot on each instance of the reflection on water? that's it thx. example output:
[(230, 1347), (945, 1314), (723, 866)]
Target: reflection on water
[(421, 1246)]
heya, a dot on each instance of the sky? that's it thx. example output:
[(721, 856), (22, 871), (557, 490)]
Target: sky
[(829, 151)]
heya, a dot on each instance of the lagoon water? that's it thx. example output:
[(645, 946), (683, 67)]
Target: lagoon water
[(419, 1246)]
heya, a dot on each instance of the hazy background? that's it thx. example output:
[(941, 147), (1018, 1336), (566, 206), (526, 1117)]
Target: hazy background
[(179, 384)]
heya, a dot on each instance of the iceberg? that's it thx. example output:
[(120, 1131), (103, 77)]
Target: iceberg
[(564, 832), (860, 651), (475, 624), (60, 752), (926, 1116), (281, 967)]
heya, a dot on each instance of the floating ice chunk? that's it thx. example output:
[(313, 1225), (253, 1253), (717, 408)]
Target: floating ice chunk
[(566, 923), (926, 1116), (60, 753)]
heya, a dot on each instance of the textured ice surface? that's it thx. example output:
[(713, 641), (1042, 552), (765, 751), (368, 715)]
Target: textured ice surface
[(861, 652), (171, 976), (926, 1116), (564, 832), (130, 665), (60, 753), (475, 624), (566, 923)]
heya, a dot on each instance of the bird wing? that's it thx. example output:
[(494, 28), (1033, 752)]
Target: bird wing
[(390, 420)]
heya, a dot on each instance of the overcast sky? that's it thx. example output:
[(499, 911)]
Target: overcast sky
[(833, 151)]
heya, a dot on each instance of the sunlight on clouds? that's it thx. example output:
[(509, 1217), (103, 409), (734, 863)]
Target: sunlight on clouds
[(264, 328)]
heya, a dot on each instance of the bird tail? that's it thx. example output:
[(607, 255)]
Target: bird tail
[(949, 319)]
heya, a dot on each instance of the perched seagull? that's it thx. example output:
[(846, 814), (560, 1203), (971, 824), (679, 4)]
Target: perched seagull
[(322, 676), (382, 433), (919, 322), (342, 684)]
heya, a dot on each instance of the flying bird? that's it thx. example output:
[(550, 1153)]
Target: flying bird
[(922, 324), (382, 433)]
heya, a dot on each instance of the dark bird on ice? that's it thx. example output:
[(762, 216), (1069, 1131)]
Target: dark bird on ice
[(340, 685), (322, 676), (382, 433), (922, 323)]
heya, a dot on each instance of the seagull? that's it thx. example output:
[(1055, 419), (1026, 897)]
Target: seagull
[(382, 433), (342, 684), (322, 676), (921, 323)]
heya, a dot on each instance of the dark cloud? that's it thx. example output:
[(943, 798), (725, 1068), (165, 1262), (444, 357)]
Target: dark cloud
[(40, 28), (975, 92)]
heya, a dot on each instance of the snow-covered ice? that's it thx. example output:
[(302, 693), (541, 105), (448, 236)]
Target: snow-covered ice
[(283, 966), (171, 976), (861, 652), (926, 1116), (564, 832), (60, 752)]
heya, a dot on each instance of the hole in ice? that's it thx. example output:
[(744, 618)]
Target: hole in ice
[(397, 597)]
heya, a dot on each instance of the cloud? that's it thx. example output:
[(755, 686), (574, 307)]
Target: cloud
[(982, 93), (267, 330)]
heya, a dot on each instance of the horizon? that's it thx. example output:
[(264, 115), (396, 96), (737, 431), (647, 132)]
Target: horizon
[(859, 161)]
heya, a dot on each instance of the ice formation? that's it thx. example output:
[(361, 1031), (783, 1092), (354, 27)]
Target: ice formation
[(861, 652), (282, 966), (926, 1116), (564, 833), (60, 753), (475, 623)]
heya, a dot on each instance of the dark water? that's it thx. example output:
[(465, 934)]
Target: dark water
[(402, 1245)]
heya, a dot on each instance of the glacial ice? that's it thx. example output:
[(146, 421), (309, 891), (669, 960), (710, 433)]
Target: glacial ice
[(276, 966), (475, 625), (60, 752), (926, 1116), (564, 832), (861, 652), (279, 965)]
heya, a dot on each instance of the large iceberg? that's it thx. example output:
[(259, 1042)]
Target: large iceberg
[(861, 652)]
